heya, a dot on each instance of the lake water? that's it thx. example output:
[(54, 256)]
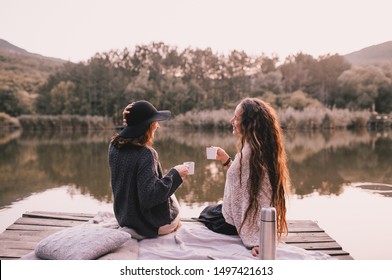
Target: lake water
[(341, 179)]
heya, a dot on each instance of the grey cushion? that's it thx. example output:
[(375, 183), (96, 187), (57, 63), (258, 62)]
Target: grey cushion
[(128, 251), (81, 243)]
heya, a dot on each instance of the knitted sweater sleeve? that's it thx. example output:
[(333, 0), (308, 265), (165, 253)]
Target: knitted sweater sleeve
[(154, 189)]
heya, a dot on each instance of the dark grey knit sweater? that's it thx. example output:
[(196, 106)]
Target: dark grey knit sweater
[(141, 193)]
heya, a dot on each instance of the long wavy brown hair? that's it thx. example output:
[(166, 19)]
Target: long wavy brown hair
[(147, 139), (259, 127)]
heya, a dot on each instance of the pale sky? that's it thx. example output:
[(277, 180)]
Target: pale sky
[(77, 29)]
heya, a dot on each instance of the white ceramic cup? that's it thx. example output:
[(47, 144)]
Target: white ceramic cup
[(191, 167), (211, 152)]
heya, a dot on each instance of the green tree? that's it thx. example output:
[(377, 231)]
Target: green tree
[(359, 87), (61, 97), (296, 72), (266, 82), (266, 77), (324, 76), (140, 88), (383, 101), (202, 73), (9, 104), (266, 64), (237, 71), (297, 100)]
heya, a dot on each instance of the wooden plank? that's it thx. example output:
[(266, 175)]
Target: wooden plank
[(300, 222), (13, 253), (33, 227), (343, 257), (303, 229), (62, 217), (10, 244), (60, 214), (318, 246), (308, 226), (18, 235), (334, 252), (307, 239), (28, 233), (47, 222), (309, 234)]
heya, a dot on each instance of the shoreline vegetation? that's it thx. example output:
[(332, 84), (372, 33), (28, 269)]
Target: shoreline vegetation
[(63, 123), (310, 118)]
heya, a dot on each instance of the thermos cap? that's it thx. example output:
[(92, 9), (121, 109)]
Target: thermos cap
[(268, 214)]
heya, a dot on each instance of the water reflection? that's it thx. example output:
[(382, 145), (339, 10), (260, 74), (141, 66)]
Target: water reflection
[(379, 189), (323, 162), (318, 162), (37, 162)]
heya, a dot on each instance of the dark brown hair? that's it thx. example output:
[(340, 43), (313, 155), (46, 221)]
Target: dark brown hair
[(259, 127), (147, 139)]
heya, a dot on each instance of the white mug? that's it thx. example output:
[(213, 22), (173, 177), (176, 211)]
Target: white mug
[(191, 167), (211, 152)]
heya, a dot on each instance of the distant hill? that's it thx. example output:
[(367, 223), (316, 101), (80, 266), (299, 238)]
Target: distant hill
[(376, 54), (22, 73), (6, 46)]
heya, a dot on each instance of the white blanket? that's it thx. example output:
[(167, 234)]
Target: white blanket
[(194, 241)]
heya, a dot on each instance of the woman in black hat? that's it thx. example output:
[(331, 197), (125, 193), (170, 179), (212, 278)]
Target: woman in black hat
[(144, 198)]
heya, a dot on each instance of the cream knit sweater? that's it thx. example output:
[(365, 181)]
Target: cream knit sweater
[(236, 200)]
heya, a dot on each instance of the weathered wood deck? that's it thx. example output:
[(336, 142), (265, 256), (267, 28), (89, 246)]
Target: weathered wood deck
[(21, 237)]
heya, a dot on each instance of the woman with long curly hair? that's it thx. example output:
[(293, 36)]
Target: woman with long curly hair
[(257, 177)]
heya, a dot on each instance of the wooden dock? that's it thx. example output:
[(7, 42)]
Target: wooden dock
[(21, 237)]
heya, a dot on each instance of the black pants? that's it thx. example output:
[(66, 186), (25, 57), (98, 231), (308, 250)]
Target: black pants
[(213, 218)]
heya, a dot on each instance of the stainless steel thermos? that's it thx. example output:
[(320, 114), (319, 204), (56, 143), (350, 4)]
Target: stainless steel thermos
[(268, 234)]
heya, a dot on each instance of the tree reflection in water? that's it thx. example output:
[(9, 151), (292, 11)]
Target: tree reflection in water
[(318, 161)]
